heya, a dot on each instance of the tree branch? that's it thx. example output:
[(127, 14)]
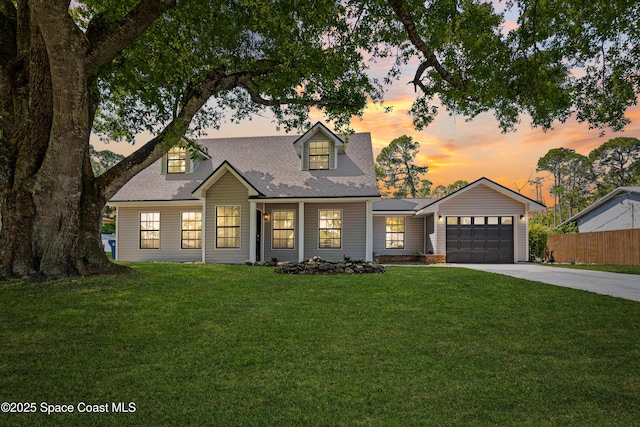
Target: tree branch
[(110, 43), (112, 180), (245, 80), (431, 60)]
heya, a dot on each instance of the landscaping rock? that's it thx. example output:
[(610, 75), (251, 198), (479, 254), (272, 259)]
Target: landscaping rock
[(318, 266)]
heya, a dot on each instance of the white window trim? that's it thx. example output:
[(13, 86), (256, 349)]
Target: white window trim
[(272, 229), (140, 231), (201, 231), (404, 233), (328, 155), (177, 160), (341, 229), (215, 235)]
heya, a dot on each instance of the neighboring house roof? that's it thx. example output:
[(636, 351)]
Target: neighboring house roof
[(425, 206), (615, 193), (270, 165)]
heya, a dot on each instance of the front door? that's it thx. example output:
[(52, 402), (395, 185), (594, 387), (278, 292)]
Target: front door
[(258, 235)]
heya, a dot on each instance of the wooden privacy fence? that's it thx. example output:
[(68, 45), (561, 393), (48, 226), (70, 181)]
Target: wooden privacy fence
[(602, 247)]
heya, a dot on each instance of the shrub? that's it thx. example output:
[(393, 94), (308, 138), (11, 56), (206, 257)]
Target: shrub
[(538, 234)]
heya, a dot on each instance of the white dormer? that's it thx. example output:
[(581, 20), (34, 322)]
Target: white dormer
[(318, 148)]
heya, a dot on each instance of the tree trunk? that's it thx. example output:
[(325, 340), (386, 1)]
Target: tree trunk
[(51, 213), (52, 243), (50, 201)]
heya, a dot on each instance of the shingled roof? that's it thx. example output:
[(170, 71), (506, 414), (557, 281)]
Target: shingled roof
[(270, 165)]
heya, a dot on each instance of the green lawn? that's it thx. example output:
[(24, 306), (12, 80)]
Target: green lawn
[(235, 345), (627, 269)]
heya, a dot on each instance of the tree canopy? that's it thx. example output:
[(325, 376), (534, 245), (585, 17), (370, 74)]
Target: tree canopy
[(554, 59)]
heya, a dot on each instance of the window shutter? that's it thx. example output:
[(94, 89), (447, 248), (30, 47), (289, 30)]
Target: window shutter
[(305, 156), (187, 163), (332, 155), (163, 165)]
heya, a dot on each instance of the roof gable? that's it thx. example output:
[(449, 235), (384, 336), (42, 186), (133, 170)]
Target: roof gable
[(201, 191), (532, 204), (316, 129)]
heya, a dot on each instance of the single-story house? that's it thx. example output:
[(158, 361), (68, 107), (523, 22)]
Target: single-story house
[(296, 197), (618, 210), (482, 222)]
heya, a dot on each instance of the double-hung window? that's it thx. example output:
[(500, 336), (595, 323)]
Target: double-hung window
[(394, 232), (283, 229), (191, 230), (330, 229), (177, 160), (319, 154), (228, 227), (149, 230)]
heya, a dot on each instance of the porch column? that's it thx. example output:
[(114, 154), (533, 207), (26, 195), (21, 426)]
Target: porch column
[(300, 231), (253, 230), (368, 256), (436, 224)]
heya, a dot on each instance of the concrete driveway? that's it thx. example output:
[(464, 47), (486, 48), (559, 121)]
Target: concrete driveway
[(615, 284)]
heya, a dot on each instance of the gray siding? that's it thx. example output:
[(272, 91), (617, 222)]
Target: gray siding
[(128, 235), (479, 201), (353, 231), (619, 213), (227, 191), (431, 234), (413, 236)]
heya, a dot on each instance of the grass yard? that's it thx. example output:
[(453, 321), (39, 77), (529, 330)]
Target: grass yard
[(235, 345)]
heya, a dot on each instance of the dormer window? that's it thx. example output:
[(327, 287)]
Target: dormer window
[(177, 160), (318, 148), (319, 154)]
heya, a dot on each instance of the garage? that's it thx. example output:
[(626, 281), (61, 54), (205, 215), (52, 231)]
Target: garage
[(480, 239)]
